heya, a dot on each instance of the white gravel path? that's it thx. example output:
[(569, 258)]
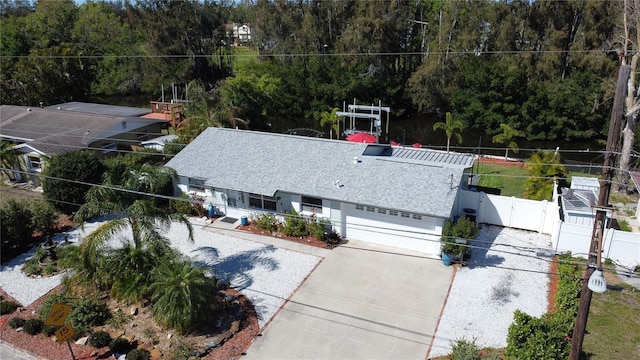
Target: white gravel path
[(486, 292), (264, 273)]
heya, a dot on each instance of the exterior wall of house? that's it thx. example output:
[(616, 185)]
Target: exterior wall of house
[(126, 140), (29, 167)]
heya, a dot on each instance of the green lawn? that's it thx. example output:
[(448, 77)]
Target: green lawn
[(509, 179), (613, 327), (243, 56)]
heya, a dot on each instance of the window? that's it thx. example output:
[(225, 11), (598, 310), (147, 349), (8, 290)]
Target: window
[(404, 215), (262, 202), (417, 217), (371, 209), (359, 207), (382, 211), (393, 213), (34, 163), (196, 184), (311, 204), (110, 147)]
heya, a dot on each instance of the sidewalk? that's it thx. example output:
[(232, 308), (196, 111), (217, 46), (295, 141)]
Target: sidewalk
[(8, 352)]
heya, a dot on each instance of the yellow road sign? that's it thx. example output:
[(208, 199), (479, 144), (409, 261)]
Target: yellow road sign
[(64, 333), (58, 314)]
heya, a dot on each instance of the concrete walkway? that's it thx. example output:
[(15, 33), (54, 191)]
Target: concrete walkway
[(361, 302), (8, 352)]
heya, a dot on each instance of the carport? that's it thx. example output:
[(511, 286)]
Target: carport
[(363, 301)]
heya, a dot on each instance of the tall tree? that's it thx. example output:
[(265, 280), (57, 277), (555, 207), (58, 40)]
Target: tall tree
[(629, 54), (69, 177), (451, 128), (127, 193), (545, 168), (507, 137), (332, 120)]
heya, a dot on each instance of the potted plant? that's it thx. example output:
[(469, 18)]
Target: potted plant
[(456, 238)]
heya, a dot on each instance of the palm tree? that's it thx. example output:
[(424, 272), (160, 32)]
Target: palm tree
[(506, 137), (332, 120), (208, 109), (182, 295), (8, 158), (127, 194), (544, 168), (451, 128)]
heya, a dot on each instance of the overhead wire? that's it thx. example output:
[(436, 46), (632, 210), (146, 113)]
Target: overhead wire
[(414, 234)]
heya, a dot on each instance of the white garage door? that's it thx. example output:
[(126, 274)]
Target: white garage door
[(391, 228)]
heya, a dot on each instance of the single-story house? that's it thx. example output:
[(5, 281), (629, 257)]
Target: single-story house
[(394, 196), (42, 132)]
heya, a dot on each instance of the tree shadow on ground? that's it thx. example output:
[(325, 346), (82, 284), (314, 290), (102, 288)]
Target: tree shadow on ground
[(235, 268)]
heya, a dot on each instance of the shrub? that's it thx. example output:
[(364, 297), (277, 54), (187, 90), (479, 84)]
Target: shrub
[(33, 326), (119, 319), (266, 222), (546, 337), (16, 229), (624, 225), (294, 225), (48, 330), (332, 238), (16, 322), (99, 339), (120, 345), (86, 313), (139, 354), (7, 307), (316, 228), (462, 349), (182, 206)]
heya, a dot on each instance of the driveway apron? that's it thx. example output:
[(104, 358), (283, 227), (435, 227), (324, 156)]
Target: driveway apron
[(362, 302)]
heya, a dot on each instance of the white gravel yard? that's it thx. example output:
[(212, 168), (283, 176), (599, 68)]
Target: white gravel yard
[(264, 273), (496, 281)]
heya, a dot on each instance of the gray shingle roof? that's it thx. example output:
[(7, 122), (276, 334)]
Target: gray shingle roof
[(265, 163)]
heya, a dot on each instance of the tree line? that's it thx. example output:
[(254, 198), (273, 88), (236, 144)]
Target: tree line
[(546, 68)]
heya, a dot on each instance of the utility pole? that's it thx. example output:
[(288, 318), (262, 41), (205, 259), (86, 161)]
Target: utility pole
[(595, 248)]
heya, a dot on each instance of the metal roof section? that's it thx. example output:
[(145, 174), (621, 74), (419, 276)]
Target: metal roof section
[(100, 109), (585, 183), (266, 163)]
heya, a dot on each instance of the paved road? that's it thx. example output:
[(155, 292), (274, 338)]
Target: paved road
[(361, 302), (7, 352)]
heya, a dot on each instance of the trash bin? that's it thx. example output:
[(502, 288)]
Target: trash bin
[(212, 210), (244, 221)]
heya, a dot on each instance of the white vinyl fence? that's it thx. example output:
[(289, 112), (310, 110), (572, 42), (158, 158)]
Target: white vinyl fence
[(543, 216)]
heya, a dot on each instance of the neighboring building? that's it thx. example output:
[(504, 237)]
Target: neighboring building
[(372, 192), (159, 142), (55, 130), (238, 34), (576, 202)]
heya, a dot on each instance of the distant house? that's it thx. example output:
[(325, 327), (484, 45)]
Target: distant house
[(394, 196), (42, 132), (159, 142), (238, 34)]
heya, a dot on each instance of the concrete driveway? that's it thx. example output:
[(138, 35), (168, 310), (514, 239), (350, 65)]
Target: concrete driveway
[(362, 302)]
